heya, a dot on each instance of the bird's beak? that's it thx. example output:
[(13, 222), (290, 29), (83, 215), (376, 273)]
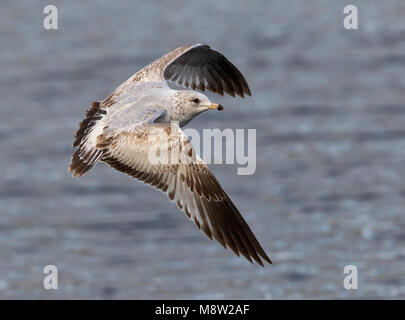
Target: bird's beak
[(216, 106)]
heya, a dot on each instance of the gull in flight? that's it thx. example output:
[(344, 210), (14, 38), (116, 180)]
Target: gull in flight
[(142, 119)]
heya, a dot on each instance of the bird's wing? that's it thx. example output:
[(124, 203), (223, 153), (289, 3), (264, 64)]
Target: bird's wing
[(196, 67), (161, 155)]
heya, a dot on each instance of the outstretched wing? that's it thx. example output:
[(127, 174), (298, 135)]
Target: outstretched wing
[(195, 67), (161, 155), (202, 68)]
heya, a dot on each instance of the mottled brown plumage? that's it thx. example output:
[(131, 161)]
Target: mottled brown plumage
[(132, 130)]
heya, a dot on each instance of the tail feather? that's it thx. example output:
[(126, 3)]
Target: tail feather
[(87, 155), (83, 161), (93, 114)]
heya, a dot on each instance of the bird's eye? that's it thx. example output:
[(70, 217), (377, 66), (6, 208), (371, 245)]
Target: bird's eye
[(196, 100)]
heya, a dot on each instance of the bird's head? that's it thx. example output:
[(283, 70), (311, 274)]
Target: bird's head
[(194, 102), (189, 104)]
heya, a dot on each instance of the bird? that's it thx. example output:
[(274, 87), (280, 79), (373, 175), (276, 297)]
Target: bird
[(143, 117)]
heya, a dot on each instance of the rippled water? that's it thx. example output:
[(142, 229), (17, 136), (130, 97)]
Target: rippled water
[(329, 190)]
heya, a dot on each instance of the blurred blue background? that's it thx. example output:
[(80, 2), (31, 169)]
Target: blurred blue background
[(329, 190)]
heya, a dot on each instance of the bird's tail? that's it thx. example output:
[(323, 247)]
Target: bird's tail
[(85, 138)]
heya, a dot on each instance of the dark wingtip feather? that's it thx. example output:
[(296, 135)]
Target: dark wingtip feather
[(208, 65)]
